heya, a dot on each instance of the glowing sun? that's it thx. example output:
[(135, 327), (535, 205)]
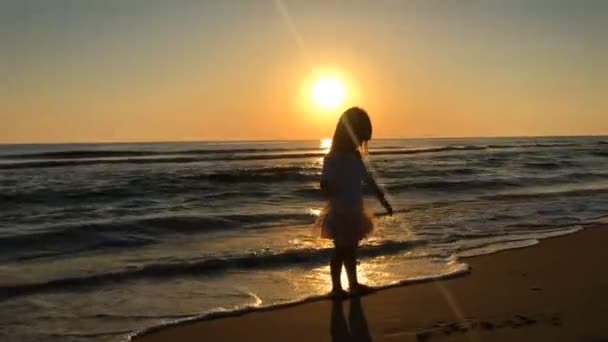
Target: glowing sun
[(328, 93)]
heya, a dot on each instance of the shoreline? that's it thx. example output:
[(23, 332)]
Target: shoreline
[(256, 322)]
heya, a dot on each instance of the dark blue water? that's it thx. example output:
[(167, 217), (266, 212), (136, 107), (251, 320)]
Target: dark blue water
[(99, 240)]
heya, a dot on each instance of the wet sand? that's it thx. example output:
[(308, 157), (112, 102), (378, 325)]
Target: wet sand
[(555, 291)]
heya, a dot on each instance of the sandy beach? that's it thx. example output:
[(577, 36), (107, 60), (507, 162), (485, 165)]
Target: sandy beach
[(555, 291)]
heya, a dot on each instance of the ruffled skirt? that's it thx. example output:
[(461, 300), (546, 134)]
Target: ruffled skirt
[(345, 227)]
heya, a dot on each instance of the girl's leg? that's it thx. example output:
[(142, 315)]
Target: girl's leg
[(335, 266), (350, 264)]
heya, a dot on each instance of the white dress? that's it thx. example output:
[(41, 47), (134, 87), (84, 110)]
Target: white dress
[(344, 219)]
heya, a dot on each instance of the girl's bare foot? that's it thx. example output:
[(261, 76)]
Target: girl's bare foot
[(361, 290), (338, 294)]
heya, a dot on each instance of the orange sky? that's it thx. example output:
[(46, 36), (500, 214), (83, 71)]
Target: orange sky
[(147, 71)]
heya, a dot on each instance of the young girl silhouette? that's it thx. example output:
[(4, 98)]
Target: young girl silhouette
[(345, 220)]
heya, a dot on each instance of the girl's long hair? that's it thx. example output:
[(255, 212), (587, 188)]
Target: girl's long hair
[(353, 131)]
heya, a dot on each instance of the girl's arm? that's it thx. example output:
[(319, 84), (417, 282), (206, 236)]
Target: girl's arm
[(371, 182)]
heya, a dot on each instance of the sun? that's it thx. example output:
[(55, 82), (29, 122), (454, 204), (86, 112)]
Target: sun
[(328, 93)]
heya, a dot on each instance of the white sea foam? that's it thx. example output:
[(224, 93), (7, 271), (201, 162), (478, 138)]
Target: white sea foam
[(516, 241)]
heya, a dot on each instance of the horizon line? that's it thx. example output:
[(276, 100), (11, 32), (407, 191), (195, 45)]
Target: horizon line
[(116, 142)]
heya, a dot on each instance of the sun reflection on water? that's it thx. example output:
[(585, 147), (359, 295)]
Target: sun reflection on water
[(314, 212), (325, 144), (367, 273)]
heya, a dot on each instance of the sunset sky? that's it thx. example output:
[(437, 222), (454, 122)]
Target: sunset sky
[(147, 70)]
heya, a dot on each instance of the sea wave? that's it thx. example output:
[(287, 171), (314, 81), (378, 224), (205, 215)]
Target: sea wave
[(536, 145), (87, 154), (549, 191), (450, 184), (574, 179), (203, 267), (208, 184), (463, 247), (514, 240), (266, 174), (94, 236), (547, 165), (223, 184), (105, 153), (84, 157), (155, 160), (600, 153)]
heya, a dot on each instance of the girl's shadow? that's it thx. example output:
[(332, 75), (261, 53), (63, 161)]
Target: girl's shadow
[(340, 332)]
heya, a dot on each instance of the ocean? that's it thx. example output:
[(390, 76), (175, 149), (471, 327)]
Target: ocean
[(100, 241)]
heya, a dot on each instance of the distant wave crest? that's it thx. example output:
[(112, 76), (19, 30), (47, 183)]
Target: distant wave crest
[(93, 157)]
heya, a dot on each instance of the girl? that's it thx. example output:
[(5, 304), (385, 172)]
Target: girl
[(344, 220)]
